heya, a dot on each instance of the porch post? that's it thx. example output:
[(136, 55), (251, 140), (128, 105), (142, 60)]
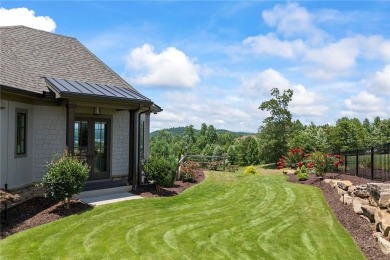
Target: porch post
[(146, 135), (70, 118), (133, 148)]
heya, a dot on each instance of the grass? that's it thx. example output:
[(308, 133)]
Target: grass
[(228, 216)]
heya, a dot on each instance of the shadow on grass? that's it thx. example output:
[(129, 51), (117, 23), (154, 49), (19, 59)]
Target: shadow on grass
[(270, 166)]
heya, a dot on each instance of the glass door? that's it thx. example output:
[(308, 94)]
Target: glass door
[(91, 145)]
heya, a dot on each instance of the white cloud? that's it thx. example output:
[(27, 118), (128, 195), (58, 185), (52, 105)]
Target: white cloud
[(381, 81), (365, 102), (374, 47), (333, 60), (263, 82), (269, 44), (303, 103), (26, 17), (171, 67), (293, 20)]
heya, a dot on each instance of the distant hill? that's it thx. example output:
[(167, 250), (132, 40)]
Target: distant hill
[(180, 131)]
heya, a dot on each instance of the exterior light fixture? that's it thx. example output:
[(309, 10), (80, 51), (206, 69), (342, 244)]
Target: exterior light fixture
[(96, 110)]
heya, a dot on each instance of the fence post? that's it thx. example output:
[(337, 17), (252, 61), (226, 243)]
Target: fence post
[(345, 162), (357, 162), (372, 163)]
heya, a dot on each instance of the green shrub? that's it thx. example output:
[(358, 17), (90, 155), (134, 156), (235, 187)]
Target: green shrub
[(302, 176), (250, 170), (66, 175), (303, 169), (161, 170)]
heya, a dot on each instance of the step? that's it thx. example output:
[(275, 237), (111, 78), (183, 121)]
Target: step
[(102, 192), (111, 198)]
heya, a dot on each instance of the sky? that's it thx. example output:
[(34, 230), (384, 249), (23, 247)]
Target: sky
[(215, 62)]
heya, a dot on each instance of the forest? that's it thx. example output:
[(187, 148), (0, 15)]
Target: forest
[(277, 134)]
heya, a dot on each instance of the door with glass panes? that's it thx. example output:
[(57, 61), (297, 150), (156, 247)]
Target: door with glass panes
[(91, 144)]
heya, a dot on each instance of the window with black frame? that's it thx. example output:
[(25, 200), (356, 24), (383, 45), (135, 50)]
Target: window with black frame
[(21, 132)]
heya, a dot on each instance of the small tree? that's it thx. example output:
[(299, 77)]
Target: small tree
[(66, 175)]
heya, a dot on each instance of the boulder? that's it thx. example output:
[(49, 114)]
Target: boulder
[(333, 183), (372, 202), (382, 220), (289, 171), (344, 185), (380, 192), (347, 199), (361, 191), (327, 181), (351, 189), (341, 191), (383, 244), (357, 204), (369, 212)]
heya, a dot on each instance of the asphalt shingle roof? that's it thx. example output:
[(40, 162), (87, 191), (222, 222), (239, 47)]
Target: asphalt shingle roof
[(28, 55)]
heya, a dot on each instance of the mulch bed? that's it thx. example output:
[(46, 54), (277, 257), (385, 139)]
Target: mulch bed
[(360, 229), (38, 211)]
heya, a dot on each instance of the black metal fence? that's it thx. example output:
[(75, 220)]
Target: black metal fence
[(372, 163)]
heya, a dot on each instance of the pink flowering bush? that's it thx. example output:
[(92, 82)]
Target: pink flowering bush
[(295, 158)]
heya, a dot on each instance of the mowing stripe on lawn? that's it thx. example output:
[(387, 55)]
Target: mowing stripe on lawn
[(228, 216)]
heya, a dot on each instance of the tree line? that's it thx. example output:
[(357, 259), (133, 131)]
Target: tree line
[(278, 133)]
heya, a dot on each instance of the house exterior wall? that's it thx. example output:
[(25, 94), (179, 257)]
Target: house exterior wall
[(120, 143), (15, 170), (49, 136), (46, 136)]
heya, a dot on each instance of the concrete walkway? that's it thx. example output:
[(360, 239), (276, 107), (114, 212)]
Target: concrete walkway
[(106, 196), (111, 198)]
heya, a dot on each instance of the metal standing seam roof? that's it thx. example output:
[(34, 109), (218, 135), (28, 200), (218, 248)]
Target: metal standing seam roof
[(64, 87)]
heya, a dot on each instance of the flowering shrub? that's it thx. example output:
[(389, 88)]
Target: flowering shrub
[(294, 158), (250, 170), (325, 162), (188, 171)]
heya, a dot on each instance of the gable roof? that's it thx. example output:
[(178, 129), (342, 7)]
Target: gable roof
[(28, 56)]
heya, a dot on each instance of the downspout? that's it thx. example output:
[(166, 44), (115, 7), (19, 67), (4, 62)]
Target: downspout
[(133, 147)]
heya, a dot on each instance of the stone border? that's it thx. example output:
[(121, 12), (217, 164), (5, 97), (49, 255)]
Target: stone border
[(370, 201)]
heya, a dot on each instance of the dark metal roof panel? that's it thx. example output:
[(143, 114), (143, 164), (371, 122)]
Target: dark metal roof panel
[(64, 87)]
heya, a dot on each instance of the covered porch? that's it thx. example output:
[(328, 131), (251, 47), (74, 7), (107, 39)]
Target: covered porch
[(106, 126)]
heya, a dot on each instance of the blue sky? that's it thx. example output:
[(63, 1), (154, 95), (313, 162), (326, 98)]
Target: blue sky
[(216, 61)]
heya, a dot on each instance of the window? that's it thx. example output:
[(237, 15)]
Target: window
[(21, 132)]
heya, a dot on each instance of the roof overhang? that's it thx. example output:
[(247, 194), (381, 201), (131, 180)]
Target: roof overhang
[(63, 88)]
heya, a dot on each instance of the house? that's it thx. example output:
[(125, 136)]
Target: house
[(55, 95)]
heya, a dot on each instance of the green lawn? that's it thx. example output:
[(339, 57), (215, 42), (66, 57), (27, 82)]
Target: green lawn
[(228, 216)]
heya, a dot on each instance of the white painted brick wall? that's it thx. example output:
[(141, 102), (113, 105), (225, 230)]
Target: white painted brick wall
[(120, 143), (49, 129)]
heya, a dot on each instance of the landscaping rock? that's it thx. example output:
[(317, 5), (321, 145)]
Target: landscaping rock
[(358, 203), (341, 191), (361, 191), (351, 189), (347, 199), (369, 212), (382, 220), (344, 185), (383, 244), (380, 192), (289, 171), (333, 183), (327, 181)]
